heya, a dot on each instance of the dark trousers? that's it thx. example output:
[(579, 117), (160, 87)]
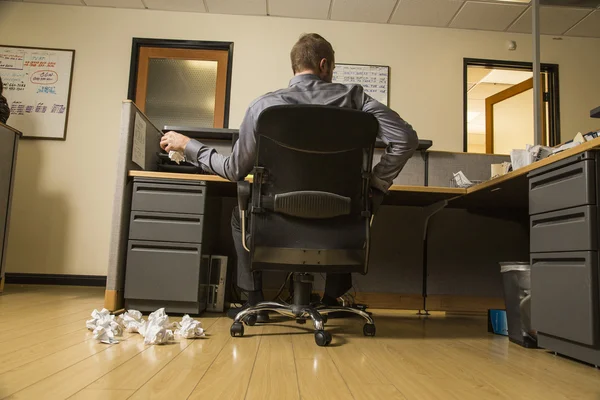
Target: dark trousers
[(335, 284)]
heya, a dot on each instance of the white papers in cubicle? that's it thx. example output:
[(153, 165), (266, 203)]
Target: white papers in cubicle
[(138, 153)]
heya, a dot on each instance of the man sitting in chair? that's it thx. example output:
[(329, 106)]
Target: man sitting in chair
[(312, 63)]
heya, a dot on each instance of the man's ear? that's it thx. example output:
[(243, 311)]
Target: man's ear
[(324, 64)]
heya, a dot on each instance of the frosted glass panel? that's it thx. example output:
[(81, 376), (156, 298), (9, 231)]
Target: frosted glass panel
[(181, 92), (513, 123)]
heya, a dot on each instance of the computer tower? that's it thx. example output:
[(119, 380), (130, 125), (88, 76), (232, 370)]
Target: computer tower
[(216, 284)]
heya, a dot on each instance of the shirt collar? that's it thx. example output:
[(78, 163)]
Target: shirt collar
[(303, 78)]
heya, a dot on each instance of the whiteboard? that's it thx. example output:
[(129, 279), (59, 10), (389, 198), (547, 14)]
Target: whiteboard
[(373, 78), (37, 85)]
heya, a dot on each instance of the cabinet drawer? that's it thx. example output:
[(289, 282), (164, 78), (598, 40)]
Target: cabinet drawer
[(163, 271), (167, 227), (564, 295), (573, 229), (569, 186), (168, 197)]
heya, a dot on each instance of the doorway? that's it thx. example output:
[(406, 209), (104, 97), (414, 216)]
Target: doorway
[(182, 83), (499, 110)]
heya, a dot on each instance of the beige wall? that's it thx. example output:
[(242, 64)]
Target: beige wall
[(63, 194)]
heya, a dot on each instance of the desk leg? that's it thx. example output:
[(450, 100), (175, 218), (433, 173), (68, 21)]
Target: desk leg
[(430, 211), (2, 285)]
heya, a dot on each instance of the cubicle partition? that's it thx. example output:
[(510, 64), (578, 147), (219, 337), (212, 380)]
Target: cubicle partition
[(9, 143), (134, 125)]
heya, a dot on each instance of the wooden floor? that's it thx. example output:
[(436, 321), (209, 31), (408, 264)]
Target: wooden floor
[(47, 353)]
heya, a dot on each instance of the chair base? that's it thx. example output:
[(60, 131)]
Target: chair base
[(318, 314)]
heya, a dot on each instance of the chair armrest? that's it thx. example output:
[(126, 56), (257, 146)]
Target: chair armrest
[(244, 190)]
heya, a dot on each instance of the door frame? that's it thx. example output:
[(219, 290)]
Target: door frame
[(553, 92), (138, 43)]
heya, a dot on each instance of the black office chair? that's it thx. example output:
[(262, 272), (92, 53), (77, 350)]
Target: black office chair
[(309, 204)]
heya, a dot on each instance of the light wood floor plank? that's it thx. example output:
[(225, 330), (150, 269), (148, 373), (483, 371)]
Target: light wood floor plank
[(37, 351), (179, 378), (102, 394), (71, 380), (28, 374), (274, 375), (411, 358), (229, 374), (320, 379)]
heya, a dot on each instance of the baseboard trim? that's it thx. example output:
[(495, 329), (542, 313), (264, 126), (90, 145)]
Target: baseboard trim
[(55, 279)]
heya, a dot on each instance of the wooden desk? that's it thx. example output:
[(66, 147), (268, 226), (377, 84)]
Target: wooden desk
[(400, 195)]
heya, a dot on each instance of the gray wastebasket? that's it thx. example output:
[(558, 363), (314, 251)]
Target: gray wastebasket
[(516, 277)]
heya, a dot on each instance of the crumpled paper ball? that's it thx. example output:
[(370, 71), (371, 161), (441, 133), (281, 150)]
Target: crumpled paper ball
[(103, 319), (155, 330), (189, 328), (105, 335), (176, 156), (131, 320)]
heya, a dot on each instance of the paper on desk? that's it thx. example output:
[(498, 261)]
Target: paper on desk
[(138, 151), (520, 158), (189, 328), (461, 180)]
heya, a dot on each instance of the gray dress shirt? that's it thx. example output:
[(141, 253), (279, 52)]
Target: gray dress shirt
[(400, 138)]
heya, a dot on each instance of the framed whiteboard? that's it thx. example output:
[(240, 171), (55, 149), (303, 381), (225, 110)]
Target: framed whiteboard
[(373, 78), (37, 85)]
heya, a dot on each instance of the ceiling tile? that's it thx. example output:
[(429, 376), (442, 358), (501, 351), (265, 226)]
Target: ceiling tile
[(589, 27), (176, 5), (487, 16), (71, 2), (425, 12), (315, 9), (115, 3), (553, 20), (362, 11), (245, 7)]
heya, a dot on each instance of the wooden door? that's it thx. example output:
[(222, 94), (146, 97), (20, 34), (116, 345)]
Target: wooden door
[(508, 94)]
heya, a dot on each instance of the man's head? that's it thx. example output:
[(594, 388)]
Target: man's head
[(312, 54)]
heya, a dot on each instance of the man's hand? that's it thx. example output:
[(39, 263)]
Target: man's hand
[(173, 141)]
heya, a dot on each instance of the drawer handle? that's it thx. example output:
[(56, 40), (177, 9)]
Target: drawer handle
[(161, 219), (559, 262), (170, 249), (150, 189), (578, 217), (557, 178)]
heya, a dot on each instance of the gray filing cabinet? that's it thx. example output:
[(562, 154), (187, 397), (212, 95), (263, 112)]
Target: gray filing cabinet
[(169, 239), (563, 209)]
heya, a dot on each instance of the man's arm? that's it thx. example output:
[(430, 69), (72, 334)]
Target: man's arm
[(234, 167), (400, 138)]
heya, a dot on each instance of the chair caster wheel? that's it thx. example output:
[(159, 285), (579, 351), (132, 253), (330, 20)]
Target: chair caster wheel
[(301, 321), (322, 338), (237, 329), (369, 330), (250, 320)]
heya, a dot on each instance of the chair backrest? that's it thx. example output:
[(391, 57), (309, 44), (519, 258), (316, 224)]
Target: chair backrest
[(310, 200)]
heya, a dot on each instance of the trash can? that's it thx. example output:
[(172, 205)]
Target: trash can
[(516, 278)]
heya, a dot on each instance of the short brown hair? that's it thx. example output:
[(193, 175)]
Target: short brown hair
[(308, 52)]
